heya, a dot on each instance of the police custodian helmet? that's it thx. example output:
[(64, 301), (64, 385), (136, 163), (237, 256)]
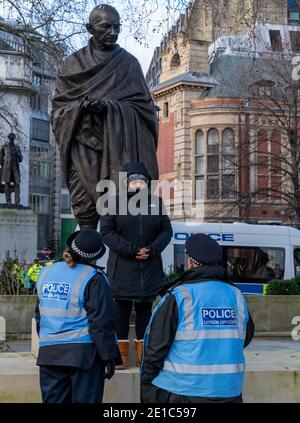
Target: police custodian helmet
[(202, 248), (86, 245)]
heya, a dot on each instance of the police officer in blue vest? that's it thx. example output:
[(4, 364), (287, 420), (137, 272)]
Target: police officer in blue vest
[(75, 318), (193, 346)]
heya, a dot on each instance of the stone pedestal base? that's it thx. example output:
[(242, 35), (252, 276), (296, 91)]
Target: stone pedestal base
[(18, 233)]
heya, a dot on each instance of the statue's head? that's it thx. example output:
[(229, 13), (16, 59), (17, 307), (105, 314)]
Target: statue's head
[(104, 25), (11, 137)]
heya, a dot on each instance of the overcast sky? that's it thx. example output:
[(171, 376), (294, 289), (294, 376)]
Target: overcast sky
[(159, 17), (143, 54), (152, 39)]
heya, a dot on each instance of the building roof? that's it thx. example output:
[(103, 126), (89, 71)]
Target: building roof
[(236, 73), (188, 78)]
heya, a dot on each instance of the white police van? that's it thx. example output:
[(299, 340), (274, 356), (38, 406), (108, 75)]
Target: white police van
[(253, 254)]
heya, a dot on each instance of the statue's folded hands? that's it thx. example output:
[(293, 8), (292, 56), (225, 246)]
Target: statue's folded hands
[(93, 105)]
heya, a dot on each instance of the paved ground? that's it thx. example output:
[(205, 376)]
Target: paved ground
[(17, 364), (257, 344), (275, 343), (272, 375), (20, 346)]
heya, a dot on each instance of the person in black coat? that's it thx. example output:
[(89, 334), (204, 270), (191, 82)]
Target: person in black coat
[(74, 363), (135, 241)]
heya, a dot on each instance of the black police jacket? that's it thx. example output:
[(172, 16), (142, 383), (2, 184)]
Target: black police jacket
[(162, 335), (133, 279)]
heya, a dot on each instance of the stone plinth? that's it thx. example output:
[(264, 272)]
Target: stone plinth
[(273, 314), (17, 312), (18, 233), (271, 377)]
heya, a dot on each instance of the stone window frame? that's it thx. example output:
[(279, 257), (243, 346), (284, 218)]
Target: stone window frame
[(294, 41), (219, 152), (40, 129), (39, 161), (269, 197), (276, 41), (66, 207), (175, 61), (166, 110), (212, 154), (35, 200), (262, 89), (293, 16), (232, 155), (202, 155)]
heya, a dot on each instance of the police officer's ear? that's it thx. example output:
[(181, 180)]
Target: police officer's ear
[(190, 263)]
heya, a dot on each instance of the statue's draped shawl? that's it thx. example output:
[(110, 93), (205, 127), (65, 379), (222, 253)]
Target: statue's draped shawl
[(126, 132)]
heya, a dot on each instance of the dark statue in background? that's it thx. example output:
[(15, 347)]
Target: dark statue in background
[(10, 158), (103, 115)]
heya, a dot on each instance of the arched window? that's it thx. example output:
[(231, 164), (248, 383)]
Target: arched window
[(199, 164), (228, 164), (200, 143), (212, 141), (175, 61), (228, 150), (228, 141), (262, 164), (276, 164), (213, 172)]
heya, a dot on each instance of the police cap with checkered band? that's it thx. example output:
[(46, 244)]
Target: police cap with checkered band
[(86, 245)]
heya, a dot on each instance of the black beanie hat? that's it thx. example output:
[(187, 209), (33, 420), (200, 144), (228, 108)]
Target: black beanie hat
[(136, 168), (202, 248)]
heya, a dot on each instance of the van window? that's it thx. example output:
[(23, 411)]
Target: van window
[(245, 264), (180, 258), (254, 264), (297, 261)]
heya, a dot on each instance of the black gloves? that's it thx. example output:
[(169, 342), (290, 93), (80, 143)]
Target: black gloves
[(109, 369)]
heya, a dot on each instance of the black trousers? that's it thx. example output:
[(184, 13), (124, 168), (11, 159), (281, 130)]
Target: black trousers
[(62, 384), (142, 316), (152, 394)]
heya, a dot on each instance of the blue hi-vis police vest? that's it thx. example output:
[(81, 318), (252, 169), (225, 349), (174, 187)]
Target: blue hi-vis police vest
[(206, 358), (61, 296)]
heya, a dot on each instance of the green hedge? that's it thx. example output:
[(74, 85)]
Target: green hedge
[(283, 287), (274, 287), (171, 274)]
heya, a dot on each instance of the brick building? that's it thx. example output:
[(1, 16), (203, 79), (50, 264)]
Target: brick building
[(208, 77)]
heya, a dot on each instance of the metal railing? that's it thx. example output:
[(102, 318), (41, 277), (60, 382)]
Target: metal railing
[(11, 42)]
